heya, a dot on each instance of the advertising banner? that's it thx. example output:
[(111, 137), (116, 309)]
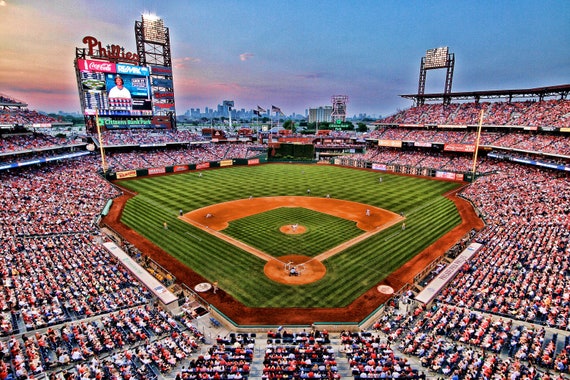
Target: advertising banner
[(203, 165), (180, 168), (378, 167), (390, 143), (445, 175), (161, 70), (253, 161), (159, 82), (132, 70), (152, 171), (469, 148), (163, 106), (98, 66), (163, 95), (126, 174)]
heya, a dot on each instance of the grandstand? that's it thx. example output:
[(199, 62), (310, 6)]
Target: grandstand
[(69, 308)]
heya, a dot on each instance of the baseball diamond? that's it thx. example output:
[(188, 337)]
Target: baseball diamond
[(255, 289)]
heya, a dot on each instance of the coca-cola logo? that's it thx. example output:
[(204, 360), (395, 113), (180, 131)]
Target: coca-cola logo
[(99, 66)]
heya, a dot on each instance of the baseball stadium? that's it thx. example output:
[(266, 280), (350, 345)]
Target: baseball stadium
[(434, 245)]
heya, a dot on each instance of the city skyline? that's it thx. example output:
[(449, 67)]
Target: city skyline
[(293, 54)]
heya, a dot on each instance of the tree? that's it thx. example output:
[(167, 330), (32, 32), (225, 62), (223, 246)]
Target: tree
[(289, 124), (362, 127)]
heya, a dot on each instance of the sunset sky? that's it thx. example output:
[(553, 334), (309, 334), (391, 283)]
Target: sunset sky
[(294, 54)]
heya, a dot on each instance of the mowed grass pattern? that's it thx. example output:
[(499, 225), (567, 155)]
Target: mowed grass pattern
[(323, 231), (350, 273)]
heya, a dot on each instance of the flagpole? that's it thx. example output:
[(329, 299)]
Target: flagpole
[(477, 145), (103, 163)]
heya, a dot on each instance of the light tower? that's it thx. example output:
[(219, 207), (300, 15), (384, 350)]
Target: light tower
[(439, 58), (339, 108)]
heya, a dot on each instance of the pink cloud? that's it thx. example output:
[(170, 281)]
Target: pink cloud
[(245, 56)]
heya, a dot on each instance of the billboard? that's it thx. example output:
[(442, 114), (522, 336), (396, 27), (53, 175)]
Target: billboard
[(114, 89)]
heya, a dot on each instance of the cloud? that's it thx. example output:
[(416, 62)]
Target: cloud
[(184, 61), (311, 76), (245, 56)]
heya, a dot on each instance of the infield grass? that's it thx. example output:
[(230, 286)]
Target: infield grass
[(429, 216)]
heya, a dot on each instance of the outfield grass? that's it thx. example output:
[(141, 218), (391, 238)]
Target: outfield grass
[(349, 274)]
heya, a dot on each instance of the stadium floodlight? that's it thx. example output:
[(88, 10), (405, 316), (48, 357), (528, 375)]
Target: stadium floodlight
[(153, 29), (436, 58)]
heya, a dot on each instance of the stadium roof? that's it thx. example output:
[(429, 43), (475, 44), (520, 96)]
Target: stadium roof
[(539, 93)]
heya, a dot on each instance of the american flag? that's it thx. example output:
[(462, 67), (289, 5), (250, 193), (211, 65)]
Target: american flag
[(277, 110), (259, 110)]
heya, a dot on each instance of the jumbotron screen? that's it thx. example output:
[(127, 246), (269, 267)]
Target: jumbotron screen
[(115, 89)]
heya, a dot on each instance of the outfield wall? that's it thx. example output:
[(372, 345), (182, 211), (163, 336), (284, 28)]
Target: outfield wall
[(161, 170)]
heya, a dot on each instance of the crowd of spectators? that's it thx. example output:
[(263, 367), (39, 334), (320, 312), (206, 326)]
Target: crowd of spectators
[(148, 137), (18, 143), (220, 362), (431, 159), (34, 202), (303, 360), (147, 158), (527, 141), (68, 309), (553, 113), (490, 321), (369, 357), (523, 269), (465, 344), (56, 277), (8, 100), (25, 117)]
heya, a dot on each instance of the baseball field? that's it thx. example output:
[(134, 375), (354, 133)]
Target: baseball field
[(345, 231)]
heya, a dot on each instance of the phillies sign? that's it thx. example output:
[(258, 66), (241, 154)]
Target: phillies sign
[(111, 52)]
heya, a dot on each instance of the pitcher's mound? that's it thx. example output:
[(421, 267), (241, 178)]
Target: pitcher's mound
[(293, 229), (308, 270)]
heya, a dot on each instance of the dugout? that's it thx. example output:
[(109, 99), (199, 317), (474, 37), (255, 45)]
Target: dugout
[(167, 300)]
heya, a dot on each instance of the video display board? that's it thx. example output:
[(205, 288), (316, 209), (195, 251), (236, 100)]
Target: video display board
[(115, 89)]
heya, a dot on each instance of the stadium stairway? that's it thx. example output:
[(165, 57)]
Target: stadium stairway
[(256, 368)]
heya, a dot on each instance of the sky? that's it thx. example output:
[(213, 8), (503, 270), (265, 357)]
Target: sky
[(294, 54)]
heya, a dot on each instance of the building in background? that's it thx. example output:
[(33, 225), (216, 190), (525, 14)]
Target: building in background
[(320, 114)]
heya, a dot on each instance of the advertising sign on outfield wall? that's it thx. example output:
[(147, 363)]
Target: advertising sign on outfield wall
[(152, 171), (379, 167), (126, 174), (180, 168)]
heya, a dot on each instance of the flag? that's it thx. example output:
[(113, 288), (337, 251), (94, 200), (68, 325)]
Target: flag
[(277, 110), (259, 111)]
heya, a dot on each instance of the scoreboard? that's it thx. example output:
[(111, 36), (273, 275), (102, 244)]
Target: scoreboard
[(436, 58)]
